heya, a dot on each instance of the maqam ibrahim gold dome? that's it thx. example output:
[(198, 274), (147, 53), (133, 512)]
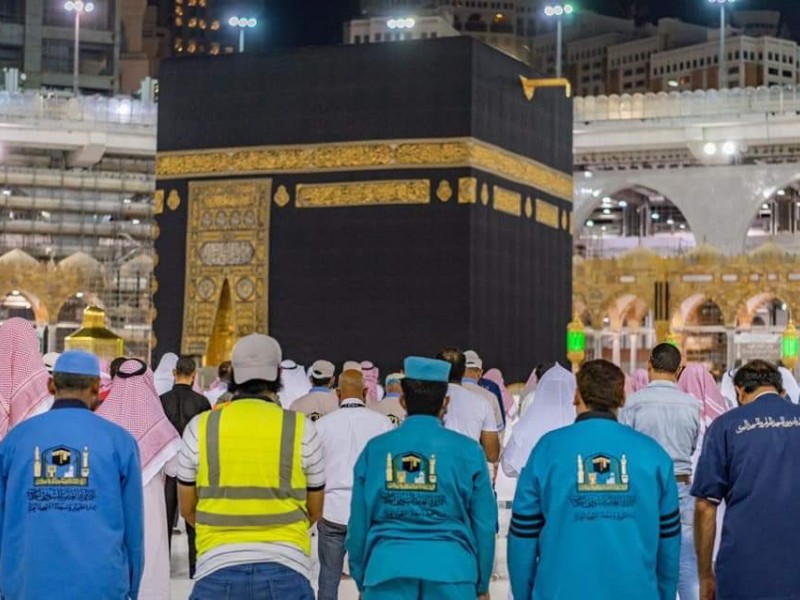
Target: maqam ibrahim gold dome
[(95, 337)]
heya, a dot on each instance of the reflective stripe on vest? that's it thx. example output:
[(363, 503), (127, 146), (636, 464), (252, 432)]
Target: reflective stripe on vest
[(284, 491)]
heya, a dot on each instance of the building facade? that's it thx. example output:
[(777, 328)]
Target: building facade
[(76, 213), (687, 207), (601, 54)]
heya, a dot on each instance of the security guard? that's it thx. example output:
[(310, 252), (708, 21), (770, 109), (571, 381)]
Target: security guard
[(251, 480), (70, 490), (423, 514), (596, 508)]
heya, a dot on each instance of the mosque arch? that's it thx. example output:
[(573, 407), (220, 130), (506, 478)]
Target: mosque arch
[(24, 304), (703, 332), (613, 223), (776, 217), (764, 310)]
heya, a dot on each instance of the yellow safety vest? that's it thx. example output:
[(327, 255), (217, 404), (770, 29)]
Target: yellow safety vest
[(250, 482)]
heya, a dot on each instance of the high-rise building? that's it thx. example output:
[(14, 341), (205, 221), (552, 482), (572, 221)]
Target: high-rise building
[(38, 39), (600, 54)]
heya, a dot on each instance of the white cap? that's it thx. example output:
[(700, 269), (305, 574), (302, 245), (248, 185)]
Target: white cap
[(256, 356), (473, 360), (352, 365), (394, 378), (322, 369), (50, 359)]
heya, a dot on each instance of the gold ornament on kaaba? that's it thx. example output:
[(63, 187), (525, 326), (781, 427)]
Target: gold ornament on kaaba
[(529, 86), (173, 200), (445, 191), (158, 202), (282, 196), (95, 337)]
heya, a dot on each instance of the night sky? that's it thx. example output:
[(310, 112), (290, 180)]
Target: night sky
[(314, 22)]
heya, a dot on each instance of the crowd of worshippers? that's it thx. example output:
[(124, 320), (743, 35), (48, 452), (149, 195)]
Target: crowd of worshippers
[(655, 486)]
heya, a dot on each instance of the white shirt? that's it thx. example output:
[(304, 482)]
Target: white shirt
[(344, 434), (215, 393), (468, 413), (472, 386)]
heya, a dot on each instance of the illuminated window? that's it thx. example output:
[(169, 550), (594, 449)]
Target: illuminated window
[(192, 47), (214, 27), (214, 48), (193, 22), (178, 22), (202, 23), (178, 45), (179, 11), (228, 49)]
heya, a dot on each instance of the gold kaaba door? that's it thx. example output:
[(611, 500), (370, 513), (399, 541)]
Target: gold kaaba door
[(223, 335), (227, 265)]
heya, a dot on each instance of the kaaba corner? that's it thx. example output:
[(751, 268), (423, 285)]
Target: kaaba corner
[(367, 201)]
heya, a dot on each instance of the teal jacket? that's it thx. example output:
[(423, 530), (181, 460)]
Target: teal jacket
[(595, 516), (422, 508)]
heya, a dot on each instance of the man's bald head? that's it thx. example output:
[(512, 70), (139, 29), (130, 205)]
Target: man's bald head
[(351, 385)]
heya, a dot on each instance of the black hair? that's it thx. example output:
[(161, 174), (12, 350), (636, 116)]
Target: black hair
[(185, 366), (756, 374), (321, 381), (256, 387), (457, 360), (68, 381), (665, 358), (541, 369), (602, 385), (424, 397), (113, 368), (225, 371)]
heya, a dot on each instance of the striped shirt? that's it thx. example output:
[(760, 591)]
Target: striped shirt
[(230, 555)]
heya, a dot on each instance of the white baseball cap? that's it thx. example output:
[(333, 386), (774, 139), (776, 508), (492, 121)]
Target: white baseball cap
[(322, 369), (49, 360), (473, 360), (256, 356), (352, 365)]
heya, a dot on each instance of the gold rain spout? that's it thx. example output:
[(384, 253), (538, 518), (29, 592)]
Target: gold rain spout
[(529, 86)]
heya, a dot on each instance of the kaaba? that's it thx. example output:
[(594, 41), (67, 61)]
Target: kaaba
[(364, 202)]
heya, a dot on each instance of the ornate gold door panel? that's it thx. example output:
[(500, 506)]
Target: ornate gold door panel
[(227, 265)]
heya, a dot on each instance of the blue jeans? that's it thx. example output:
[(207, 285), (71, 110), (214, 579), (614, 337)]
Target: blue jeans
[(420, 589), (688, 582), (257, 581), (331, 558)]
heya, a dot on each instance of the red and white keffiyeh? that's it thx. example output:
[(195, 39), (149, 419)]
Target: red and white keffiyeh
[(23, 376), (371, 378), (496, 376), (698, 382), (134, 405)]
